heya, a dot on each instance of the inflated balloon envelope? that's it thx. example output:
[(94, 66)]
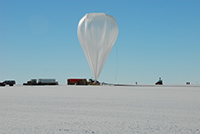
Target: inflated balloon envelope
[(97, 33)]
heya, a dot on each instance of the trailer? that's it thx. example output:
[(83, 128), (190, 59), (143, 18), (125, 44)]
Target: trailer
[(47, 82), (41, 82)]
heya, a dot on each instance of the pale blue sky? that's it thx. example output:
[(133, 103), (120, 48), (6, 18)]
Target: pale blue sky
[(38, 39)]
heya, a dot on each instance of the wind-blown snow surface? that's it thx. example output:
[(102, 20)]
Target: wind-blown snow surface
[(99, 110)]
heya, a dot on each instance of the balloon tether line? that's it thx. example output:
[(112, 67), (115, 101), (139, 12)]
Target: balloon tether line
[(116, 64)]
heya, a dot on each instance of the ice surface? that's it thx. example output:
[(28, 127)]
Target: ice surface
[(99, 110)]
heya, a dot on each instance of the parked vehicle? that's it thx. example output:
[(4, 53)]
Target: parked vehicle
[(41, 82), (9, 82), (77, 82), (47, 82), (2, 84), (188, 83), (82, 82)]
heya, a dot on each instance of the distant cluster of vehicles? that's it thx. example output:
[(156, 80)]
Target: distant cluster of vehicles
[(35, 82)]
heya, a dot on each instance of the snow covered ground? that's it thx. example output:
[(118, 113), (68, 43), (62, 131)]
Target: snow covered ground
[(100, 110)]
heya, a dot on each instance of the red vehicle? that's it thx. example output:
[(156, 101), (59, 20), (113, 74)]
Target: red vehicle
[(2, 84), (77, 82), (82, 82)]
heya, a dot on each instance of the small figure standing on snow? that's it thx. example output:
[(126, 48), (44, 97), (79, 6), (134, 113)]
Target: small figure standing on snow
[(160, 82)]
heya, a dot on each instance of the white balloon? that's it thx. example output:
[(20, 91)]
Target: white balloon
[(97, 33)]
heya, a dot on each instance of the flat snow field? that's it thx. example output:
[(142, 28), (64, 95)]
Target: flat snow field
[(100, 110)]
